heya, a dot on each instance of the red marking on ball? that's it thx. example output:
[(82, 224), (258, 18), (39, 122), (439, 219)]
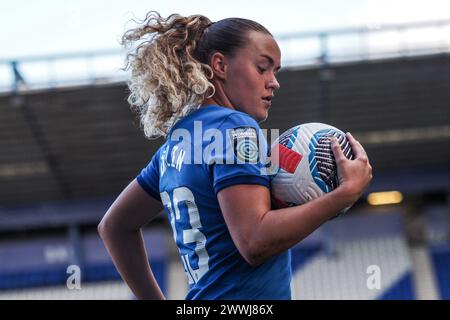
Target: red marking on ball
[(289, 159)]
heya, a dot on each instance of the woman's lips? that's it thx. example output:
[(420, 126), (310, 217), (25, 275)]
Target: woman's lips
[(267, 102)]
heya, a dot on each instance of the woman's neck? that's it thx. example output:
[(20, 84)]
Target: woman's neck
[(219, 98)]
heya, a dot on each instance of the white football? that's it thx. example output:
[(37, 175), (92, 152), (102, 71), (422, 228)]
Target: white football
[(306, 168)]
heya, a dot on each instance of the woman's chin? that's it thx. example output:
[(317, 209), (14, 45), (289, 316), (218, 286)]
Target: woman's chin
[(263, 116)]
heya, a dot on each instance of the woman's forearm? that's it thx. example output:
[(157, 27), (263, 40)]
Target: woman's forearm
[(127, 250), (281, 229)]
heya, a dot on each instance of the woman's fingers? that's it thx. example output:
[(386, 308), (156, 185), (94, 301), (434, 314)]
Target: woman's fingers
[(337, 150), (357, 148)]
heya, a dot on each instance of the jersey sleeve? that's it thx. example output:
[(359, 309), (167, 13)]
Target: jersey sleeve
[(242, 160), (148, 178)]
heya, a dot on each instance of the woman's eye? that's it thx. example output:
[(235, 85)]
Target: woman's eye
[(261, 70)]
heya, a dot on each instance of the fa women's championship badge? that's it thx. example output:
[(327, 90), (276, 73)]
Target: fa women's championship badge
[(245, 144)]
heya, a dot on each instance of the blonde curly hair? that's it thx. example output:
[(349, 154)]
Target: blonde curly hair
[(168, 59)]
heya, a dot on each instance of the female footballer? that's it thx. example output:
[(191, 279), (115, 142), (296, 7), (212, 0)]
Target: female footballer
[(188, 74)]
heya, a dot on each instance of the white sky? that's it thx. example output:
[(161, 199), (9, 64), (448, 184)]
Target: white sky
[(38, 27)]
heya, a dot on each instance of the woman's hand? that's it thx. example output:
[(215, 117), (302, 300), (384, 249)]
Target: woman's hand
[(354, 175)]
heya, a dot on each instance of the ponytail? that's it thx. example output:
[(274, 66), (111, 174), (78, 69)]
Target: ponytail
[(167, 82)]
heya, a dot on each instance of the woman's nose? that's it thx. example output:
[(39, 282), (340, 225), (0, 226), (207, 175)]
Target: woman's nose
[(274, 84)]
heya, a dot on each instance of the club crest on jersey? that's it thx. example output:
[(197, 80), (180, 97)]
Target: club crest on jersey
[(245, 144)]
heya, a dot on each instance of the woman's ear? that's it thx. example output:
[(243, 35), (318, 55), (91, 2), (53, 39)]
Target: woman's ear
[(218, 65)]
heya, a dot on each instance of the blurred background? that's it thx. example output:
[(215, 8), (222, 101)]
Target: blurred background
[(69, 143)]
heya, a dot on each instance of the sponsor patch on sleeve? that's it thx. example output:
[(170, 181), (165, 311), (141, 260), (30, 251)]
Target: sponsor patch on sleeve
[(245, 144)]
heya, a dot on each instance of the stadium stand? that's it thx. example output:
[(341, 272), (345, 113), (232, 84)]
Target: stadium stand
[(44, 261), (343, 272)]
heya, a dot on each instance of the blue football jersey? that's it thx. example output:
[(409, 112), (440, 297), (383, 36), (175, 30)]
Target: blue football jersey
[(210, 149)]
